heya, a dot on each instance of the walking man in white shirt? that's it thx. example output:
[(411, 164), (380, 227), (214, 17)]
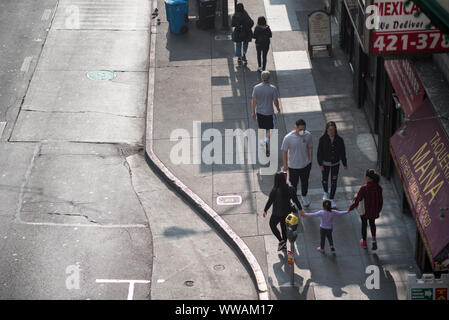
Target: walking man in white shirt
[(297, 149)]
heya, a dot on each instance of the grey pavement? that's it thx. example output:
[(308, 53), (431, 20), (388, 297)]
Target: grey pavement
[(76, 192), (206, 84)]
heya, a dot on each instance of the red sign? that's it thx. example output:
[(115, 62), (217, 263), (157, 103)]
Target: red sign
[(440, 293), (406, 84), (400, 27), (421, 154), (406, 41)]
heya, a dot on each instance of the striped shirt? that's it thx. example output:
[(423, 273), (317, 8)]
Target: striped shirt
[(372, 194)]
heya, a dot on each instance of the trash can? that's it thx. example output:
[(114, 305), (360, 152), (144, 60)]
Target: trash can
[(206, 14), (177, 14)]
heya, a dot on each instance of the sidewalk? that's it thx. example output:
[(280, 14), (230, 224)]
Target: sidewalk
[(206, 84)]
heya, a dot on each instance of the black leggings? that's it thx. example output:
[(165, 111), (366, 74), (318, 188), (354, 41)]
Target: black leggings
[(262, 51), (274, 220), (303, 174), (326, 233), (372, 225), (333, 170)]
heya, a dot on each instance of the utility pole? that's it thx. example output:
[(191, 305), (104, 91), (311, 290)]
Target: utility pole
[(225, 14)]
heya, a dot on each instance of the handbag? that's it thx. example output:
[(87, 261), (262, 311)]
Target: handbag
[(361, 207)]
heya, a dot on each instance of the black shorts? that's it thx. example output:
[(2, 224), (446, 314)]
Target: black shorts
[(266, 122)]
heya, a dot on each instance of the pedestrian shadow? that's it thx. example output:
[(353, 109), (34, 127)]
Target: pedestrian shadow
[(387, 289), (299, 290), (178, 233)]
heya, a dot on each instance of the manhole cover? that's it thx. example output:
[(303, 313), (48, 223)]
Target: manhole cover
[(229, 200), (189, 283), (101, 75), (223, 37), (219, 267)]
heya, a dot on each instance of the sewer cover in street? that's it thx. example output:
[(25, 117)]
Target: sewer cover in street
[(189, 283), (219, 267), (229, 200), (223, 37), (101, 75)]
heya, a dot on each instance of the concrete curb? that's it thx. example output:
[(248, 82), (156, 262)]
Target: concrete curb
[(156, 164)]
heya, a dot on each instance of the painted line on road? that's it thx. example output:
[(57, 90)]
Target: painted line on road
[(26, 64), (131, 284), (2, 127), (105, 226)]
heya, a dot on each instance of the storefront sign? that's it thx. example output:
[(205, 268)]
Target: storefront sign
[(421, 154), (319, 31), (319, 28), (422, 294), (428, 287), (406, 84), (399, 27)]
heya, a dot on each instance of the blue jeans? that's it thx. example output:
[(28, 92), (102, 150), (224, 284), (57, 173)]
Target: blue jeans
[(238, 48)]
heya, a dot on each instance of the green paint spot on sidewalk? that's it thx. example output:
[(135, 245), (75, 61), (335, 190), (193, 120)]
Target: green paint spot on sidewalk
[(101, 75)]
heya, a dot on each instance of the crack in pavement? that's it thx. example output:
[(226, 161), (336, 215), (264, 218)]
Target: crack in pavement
[(73, 215), (76, 112)]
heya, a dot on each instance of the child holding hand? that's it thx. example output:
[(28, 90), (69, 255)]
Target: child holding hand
[(327, 215)]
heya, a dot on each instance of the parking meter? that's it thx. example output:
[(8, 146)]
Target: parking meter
[(292, 224)]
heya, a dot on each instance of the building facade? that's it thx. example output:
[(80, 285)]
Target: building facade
[(405, 96)]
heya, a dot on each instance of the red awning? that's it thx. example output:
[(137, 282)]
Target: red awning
[(422, 158), (406, 84)]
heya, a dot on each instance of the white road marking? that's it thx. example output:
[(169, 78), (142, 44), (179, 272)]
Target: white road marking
[(131, 284), (26, 64), (2, 127), (46, 15)]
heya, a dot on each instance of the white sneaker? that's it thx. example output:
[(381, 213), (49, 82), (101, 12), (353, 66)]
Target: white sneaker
[(325, 196), (305, 201), (259, 69), (333, 205)]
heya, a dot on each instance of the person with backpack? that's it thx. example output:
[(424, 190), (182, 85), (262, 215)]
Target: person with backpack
[(371, 195), (331, 150), (280, 197), (326, 225), (262, 34), (242, 33)]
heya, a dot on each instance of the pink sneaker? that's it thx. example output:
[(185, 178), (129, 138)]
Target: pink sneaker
[(320, 250), (363, 244)]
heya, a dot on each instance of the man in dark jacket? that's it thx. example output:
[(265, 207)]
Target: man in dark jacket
[(331, 150), (242, 33)]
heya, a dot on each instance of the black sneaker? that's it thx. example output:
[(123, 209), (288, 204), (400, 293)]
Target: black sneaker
[(332, 248), (239, 60), (282, 245), (374, 246)]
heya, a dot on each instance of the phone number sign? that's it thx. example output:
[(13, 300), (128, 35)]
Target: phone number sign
[(409, 42), (399, 27)]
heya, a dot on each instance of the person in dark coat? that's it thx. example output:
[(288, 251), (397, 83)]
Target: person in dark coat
[(331, 150), (262, 34), (242, 33), (280, 197), (371, 194)]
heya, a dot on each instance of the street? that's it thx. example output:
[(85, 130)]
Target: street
[(133, 164)]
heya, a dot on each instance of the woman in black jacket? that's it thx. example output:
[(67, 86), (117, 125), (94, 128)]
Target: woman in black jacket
[(242, 33), (280, 197), (331, 150), (262, 34)]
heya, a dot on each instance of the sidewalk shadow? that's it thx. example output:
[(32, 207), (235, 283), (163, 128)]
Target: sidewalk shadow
[(286, 291)]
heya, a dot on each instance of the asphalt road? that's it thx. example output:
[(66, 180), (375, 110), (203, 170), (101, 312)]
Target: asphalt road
[(71, 225)]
